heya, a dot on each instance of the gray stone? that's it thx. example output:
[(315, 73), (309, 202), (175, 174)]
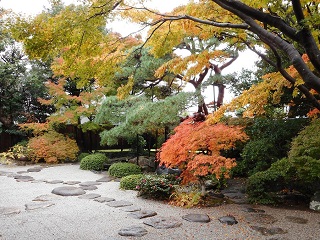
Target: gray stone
[(253, 210), (104, 199), (37, 205), (269, 231), (47, 197), (34, 169), (24, 180), (130, 209), (90, 196), (54, 181), (12, 175), (20, 172), (71, 182), (142, 214), (297, 220), (146, 163), (315, 202), (261, 218), (4, 173), (23, 177), (117, 204), (229, 220), (133, 231), (68, 191), (39, 181), (89, 183), (162, 222), (197, 218), (9, 210), (92, 187), (105, 179)]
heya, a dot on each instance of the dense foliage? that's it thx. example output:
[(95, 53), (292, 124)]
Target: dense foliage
[(94, 161), (130, 182), (123, 169)]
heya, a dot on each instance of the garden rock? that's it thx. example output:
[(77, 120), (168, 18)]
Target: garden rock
[(146, 163), (34, 169), (162, 222), (203, 218), (92, 187), (71, 182), (261, 218), (229, 220), (54, 181), (104, 199), (130, 209), (253, 210), (9, 210), (47, 197), (68, 191), (269, 231), (90, 196), (23, 178), (164, 170), (33, 205), (117, 204), (315, 202), (105, 179), (142, 214), (89, 183), (297, 220), (133, 231)]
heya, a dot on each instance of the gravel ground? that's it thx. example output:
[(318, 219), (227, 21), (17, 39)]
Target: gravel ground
[(82, 219)]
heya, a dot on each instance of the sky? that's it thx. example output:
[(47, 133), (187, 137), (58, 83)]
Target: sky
[(33, 7)]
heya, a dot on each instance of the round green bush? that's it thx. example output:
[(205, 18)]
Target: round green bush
[(130, 182), (122, 169), (82, 155), (93, 162)]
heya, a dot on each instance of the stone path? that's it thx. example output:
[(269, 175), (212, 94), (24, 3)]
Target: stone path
[(257, 217)]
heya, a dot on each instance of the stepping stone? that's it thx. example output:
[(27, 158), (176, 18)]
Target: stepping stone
[(20, 172), (47, 197), (204, 218), (142, 214), (68, 191), (12, 175), (130, 209), (105, 179), (133, 231), (39, 181), (269, 231), (253, 210), (90, 196), (261, 218), (71, 182), (34, 169), (117, 204), (9, 210), (162, 222), (23, 177), (92, 187), (229, 220), (23, 180), (4, 173), (296, 220), (54, 181), (89, 183), (103, 199), (33, 205)]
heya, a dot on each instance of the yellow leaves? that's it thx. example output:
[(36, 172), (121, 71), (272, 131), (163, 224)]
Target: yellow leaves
[(124, 91)]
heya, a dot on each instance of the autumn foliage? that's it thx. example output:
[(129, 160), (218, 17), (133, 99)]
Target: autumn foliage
[(196, 148)]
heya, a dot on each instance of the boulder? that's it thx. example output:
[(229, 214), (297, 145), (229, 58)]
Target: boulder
[(315, 202), (164, 170), (146, 163)]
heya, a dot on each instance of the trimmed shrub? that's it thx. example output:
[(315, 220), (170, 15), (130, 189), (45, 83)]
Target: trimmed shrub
[(122, 169), (82, 155), (53, 147), (131, 182), (94, 161)]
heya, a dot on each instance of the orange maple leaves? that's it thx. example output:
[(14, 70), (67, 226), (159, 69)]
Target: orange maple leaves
[(196, 149)]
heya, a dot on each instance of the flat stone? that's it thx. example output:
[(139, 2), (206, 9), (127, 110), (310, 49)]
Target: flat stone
[(90, 196), (20, 172), (269, 231), (142, 214), (71, 182), (39, 181), (92, 187), (103, 199), (24, 180), (133, 231), (33, 205), (47, 197), (117, 204), (12, 175), (253, 210), (197, 218), (90, 183), (261, 218), (105, 179), (162, 222), (130, 209), (9, 210), (23, 177), (68, 191), (54, 181), (297, 220), (229, 220), (34, 169), (4, 173)]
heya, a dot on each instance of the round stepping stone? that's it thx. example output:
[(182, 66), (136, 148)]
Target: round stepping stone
[(20, 172), (104, 199), (47, 197), (33, 205), (71, 182), (142, 214), (269, 231), (253, 210), (23, 180), (68, 191), (54, 181), (90, 196), (23, 177), (92, 187), (133, 231), (230, 220), (117, 204), (197, 218), (35, 169), (90, 183), (162, 222), (130, 209), (9, 210), (297, 220)]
